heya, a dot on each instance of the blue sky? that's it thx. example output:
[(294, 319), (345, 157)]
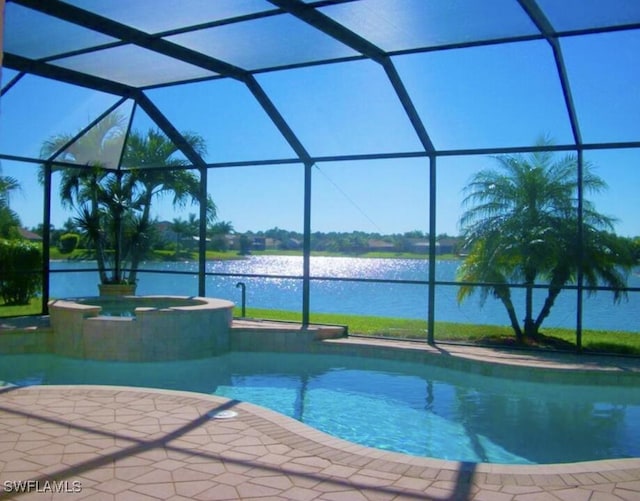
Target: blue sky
[(507, 95)]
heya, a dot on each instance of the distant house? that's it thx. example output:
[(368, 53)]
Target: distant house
[(420, 245), (232, 240), (192, 242), (381, 246), (292, 244), (259, 243), (264, 243), (29, 235), (449, 245)]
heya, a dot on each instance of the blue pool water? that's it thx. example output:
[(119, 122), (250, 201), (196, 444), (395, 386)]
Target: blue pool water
[(404, 407)]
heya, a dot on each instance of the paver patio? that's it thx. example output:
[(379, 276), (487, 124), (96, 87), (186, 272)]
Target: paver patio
[(101, 442)]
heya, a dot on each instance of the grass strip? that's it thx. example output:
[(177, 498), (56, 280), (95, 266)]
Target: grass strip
[(618, 342), (192, 255), (601, 341), (33, 308)]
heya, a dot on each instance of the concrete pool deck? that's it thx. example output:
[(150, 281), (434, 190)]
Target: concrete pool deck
[(120, 443), (112, 443)]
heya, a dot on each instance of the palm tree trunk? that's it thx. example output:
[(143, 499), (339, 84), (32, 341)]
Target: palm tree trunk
[(99, 241), (101, 261), (136, 252), (529, 325), (546, 308), (117, 259), (502, 293), (135, 262)]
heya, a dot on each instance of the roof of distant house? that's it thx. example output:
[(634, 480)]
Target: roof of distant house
[(29, 235)]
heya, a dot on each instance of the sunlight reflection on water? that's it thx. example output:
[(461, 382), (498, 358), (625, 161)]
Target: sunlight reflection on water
[(283, 290)]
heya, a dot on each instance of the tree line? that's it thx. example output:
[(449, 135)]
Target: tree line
[(181, 234)]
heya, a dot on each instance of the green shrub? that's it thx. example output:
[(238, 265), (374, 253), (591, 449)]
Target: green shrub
[(68, 242), (20, 271)]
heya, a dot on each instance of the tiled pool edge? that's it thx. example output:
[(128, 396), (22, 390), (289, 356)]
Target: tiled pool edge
[(28, 339), (572, 369), (254, 335), (532, 365)]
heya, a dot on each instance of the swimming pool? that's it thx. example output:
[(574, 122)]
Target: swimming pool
[(400, 406)]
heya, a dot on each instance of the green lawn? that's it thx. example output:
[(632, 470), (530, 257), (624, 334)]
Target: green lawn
[(54, 253), (33, 308), (592, 340), (158, 255)]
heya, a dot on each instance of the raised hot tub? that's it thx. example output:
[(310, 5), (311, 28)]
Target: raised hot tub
[(141, 328)]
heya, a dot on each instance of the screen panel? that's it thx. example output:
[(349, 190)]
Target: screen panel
[(487, 97), (264, 43), (420, 24)]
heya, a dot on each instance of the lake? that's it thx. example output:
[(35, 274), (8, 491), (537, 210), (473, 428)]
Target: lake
[(400, 300)]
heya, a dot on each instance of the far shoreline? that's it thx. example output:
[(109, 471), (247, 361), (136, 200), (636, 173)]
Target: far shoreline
[(79, 255)]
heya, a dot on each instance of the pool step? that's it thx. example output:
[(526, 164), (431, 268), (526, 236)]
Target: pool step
[(268, 335)]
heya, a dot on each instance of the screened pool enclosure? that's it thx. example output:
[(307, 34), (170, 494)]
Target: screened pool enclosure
[(340, 145)]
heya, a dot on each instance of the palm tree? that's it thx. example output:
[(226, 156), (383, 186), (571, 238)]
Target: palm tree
[(181, 228), (521, 226), (217, 234), (485, 265), (9, 220), (114, 207), (85, 188), (220, 228), (154, 149)]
